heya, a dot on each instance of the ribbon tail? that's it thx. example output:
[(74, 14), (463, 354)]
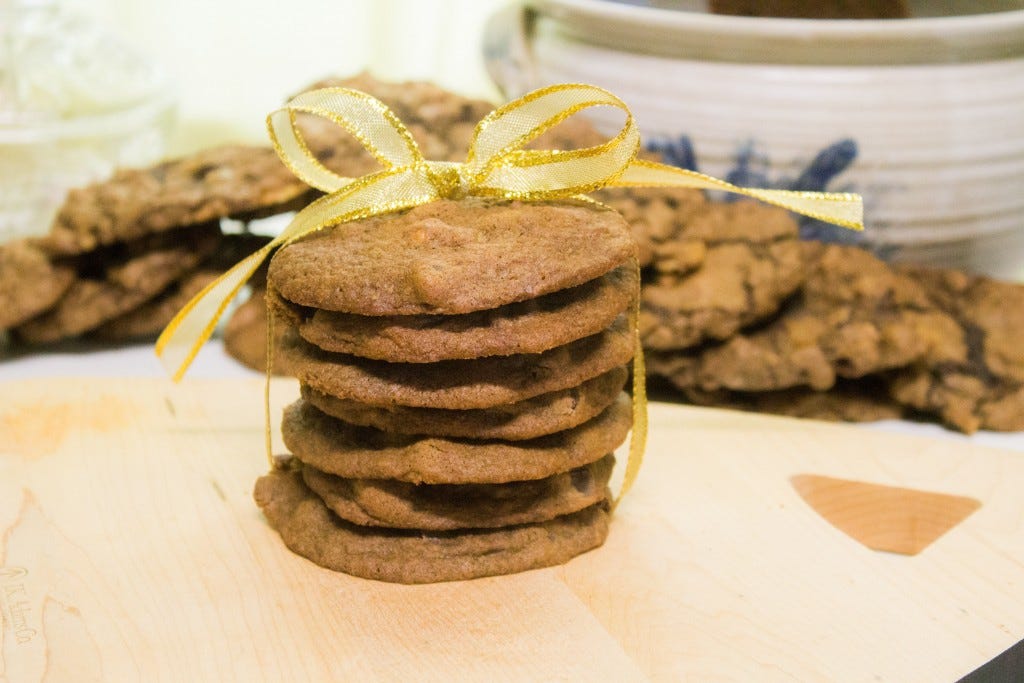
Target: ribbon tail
[(638, 435), (841, 208), (371, 195), (364, 117), (192, 326)]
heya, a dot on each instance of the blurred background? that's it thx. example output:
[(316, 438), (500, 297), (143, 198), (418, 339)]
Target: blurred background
[(230, 62), (924, 116), (89, 86), (918, 106)]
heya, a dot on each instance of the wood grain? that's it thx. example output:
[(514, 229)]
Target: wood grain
[(888, 518), (130, 550)]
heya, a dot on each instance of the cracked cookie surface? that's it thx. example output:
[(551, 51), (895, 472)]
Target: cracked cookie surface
[(656, 217), (731, 265), (854, 316)]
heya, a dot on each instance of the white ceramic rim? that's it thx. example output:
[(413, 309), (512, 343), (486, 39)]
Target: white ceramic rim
[(956, 38)]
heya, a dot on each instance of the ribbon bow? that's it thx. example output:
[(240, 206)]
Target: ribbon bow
[(498, 165)]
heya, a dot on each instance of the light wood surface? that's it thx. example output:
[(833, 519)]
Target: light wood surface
[(130, 549)]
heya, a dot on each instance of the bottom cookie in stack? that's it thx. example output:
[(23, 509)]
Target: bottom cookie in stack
[(310, 529), (356, 499), (473, 438)]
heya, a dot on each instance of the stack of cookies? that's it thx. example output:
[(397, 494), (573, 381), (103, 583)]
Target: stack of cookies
[(124, 255), (461, 367)]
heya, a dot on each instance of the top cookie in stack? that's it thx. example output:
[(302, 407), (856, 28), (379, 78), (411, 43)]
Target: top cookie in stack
[(461, 366)]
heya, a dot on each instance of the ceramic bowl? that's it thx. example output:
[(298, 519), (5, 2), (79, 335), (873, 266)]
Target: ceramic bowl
[(923, 116)]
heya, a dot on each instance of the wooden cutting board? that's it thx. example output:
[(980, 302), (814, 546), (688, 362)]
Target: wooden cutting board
[(130, 549)]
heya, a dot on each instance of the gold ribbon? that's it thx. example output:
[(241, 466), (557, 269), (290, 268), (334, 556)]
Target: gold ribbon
[(498, 165)]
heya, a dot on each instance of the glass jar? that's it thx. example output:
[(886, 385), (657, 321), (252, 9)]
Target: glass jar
[(75, 104)]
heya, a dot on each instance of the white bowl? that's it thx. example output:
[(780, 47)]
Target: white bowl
[(924, 116)]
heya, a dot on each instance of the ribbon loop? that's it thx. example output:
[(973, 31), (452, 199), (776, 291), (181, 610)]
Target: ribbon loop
[(365, 117), (498, 162)]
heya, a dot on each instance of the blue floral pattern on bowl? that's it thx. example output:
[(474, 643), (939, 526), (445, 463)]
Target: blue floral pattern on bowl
[(751, 168)]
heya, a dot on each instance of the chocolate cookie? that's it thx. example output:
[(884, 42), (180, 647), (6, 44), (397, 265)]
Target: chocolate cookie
[(309, 529), (537, 416), (731, 265), (978, 383), (444, 507), (150, 318), (233, 181), (452, 257), (115, 283), (458, 384), (854, 317), (531, 326), (30, 282), (440, 121), (333, 446)]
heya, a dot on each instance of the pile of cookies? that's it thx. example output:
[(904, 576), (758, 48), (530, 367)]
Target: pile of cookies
[(738, 312), (461, 367), (123, 255)]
